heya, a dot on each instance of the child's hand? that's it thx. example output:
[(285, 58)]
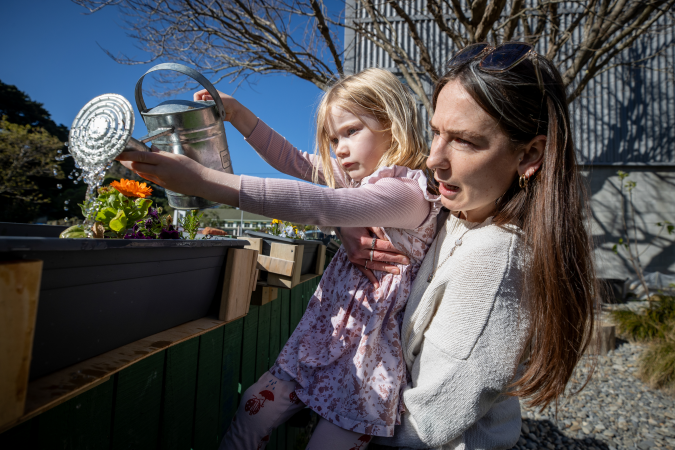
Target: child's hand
[(181, 174), (235, 113)]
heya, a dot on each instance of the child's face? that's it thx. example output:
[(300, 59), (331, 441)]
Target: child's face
[(357, 141)]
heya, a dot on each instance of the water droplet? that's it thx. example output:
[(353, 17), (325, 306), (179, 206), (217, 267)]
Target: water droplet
[(67, 144), (70, 177), (58, 186), (66, 202), (75, 182), (59, 152), (55, 172), (65, 208)]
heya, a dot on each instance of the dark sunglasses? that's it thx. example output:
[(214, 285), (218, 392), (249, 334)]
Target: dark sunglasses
[(499, 59)]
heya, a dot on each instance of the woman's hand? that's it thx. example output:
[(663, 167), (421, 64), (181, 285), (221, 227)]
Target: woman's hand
[(181, 174), (358, 244), (237, 114)]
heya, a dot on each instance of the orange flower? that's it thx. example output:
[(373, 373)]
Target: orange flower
[(132, 188)]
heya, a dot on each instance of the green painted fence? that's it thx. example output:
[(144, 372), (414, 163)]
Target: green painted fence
[(181, 398)]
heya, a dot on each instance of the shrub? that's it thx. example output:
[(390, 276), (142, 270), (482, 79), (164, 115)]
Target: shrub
[(653, 323), (657, 364)]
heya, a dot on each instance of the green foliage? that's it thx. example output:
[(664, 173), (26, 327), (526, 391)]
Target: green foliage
[(657, 364), (25, 153), (21, 110), (190, 223), (115, 211), (651, 324), (656, 326), (74, 232)]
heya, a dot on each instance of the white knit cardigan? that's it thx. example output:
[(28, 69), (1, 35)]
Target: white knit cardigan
[(462, 335)]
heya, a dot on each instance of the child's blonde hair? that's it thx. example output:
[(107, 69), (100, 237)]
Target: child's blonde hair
[(379, 94)]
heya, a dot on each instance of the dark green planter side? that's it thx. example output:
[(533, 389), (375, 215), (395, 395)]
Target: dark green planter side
[(181, 398)]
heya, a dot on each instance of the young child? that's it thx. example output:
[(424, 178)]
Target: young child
[(344, 360)]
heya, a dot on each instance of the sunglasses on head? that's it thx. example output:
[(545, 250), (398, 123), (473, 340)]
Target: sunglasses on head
[(498, 59)]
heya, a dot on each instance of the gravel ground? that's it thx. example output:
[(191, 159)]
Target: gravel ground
[(614, 411)]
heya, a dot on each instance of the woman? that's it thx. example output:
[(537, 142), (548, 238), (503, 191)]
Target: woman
[(502, 306)]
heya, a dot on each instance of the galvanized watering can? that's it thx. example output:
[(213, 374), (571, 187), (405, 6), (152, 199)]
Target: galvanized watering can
[(191, 128)]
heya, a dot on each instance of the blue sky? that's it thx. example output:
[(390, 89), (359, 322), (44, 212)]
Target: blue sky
[(52, 51)]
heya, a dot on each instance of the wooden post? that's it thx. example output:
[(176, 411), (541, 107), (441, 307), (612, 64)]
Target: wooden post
[(19, 293), (239, 282), (320, 259), (607, 336)]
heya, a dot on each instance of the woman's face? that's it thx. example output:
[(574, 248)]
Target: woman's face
[(474, 160)]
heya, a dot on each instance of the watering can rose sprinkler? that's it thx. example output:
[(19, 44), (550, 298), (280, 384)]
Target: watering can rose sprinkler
[(102, 131)]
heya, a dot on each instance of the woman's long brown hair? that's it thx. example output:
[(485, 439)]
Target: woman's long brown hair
[(560, 284)]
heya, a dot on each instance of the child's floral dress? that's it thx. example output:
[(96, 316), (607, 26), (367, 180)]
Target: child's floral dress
[(345, 354)]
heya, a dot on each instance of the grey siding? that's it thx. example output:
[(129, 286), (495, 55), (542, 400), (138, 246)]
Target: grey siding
[(625, 116)]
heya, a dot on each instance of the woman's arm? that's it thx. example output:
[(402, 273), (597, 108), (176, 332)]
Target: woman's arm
[(470, 349), (270, 145)]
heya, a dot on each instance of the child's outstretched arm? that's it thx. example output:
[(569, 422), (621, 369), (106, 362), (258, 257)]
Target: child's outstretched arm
[(390, 202), (271, 146)]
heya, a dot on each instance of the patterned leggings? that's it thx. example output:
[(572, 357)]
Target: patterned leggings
[(271, 402)]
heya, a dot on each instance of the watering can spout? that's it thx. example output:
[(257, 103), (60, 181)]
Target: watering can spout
[(138, 145)]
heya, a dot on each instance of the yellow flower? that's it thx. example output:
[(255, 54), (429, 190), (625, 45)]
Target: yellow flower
[(131, 188), (276, 221)]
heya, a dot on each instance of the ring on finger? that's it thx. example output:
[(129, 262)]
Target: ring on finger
[(371, 256), (372, 245), (367, 264)]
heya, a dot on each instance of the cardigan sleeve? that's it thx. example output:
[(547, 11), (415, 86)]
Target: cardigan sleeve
[(470, 350), (388, 202), (280, 154)]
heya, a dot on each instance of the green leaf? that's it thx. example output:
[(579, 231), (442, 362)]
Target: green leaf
[(119, 222), (614, 249)]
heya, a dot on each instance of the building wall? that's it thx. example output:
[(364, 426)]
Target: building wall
[(624, 120), (654, 201)]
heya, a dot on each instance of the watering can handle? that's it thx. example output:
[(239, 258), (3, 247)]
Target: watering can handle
[(198, 77)]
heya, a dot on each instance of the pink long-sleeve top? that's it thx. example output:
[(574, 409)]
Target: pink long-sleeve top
[(387, 202)]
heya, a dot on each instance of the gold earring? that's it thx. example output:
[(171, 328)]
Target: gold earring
[(522, 181)]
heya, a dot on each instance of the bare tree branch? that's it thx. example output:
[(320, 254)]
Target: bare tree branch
[(240, 39)]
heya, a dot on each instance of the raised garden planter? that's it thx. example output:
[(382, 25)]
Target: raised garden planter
[(286, 262), (30, 230), (99, 294)]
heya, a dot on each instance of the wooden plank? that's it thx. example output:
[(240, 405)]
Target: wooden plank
[(263, 295), (296, 307), (230, 374), (320, 259), (248, 348), (19, 292), (238, 283), (138, 404), (263, 347), (276, 265), (285, 312), (291, 253), (207, 405), (254, 243), (80, 423), (180, 386), (54, 389), (275, 331), (307, 277)]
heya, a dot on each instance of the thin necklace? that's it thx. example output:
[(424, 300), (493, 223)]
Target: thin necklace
[(458, 242)]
